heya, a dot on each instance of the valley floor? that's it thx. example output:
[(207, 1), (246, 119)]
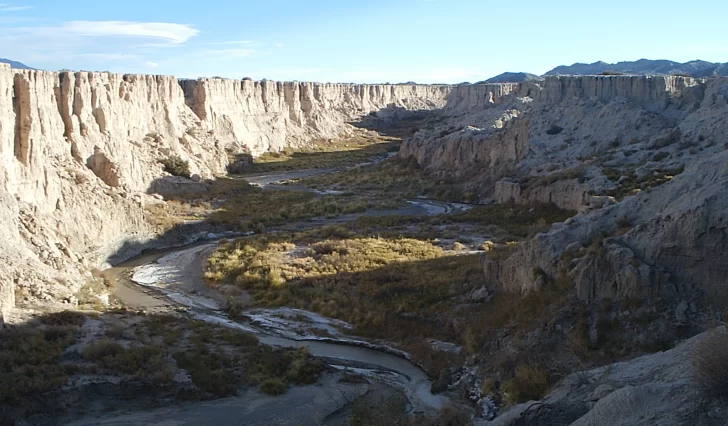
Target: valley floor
[(333, 290)]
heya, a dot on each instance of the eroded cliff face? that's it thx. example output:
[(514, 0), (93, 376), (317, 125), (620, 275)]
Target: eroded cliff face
[(80, 151), (584, 144), (269, 116)]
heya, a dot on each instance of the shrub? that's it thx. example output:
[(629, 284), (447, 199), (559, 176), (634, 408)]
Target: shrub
[(389, 408), (176, 166), (102, 349), (710, 365), (304, 369), (209, 370), (273, 387), (611, 72), (30, 363), (530, 383), (64, 318)]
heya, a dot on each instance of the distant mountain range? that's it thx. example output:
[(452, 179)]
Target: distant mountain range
[(15, 64), (642, 67), (646, 67), (513, 77)]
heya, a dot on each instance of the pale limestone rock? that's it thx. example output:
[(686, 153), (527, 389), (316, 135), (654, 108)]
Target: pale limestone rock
[(104, 168), (270, 116)]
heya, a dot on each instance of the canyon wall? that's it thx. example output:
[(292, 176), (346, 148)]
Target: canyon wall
[(80, 150), (641, 158), (270, 116), (490, 128)]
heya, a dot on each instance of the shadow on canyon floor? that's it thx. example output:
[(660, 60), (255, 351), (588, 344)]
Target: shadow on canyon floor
[(397, 121)]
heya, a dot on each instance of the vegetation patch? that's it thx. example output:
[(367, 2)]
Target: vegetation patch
[(630, 184), (258, 208), (531, 382), (395, 289), (516, 219), (176, 166), (148, 362), (30, 361), (238, 205), (578, 172), (323, 154), (394, 176)]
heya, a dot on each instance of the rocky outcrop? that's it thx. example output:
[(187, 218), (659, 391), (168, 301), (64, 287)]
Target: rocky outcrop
[(483, 154), (645, 390), (583, 144), (104, 168), (663, 241)]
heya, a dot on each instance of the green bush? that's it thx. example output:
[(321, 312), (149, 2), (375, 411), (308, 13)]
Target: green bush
[(176, 166)]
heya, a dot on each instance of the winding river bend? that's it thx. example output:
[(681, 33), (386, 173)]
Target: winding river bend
[(173, 279)]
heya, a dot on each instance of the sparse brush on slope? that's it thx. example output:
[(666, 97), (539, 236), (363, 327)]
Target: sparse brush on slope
[(176, 166)]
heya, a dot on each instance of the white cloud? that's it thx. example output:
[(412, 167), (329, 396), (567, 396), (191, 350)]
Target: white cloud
[(151, 64), (278, 45), (172, 33), (5, 7)]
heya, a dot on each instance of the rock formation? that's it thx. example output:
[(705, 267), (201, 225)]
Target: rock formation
[(583, 143), (270, 116), (81, 150)]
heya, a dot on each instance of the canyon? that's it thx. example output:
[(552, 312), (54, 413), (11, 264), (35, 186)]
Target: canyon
[(641, 161), (80, 150)]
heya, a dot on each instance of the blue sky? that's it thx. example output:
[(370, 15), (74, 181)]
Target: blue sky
[(427, 41)]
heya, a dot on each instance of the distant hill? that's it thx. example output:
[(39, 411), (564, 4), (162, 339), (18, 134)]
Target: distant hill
[(15, 64), (645, 67), (513, 77)]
